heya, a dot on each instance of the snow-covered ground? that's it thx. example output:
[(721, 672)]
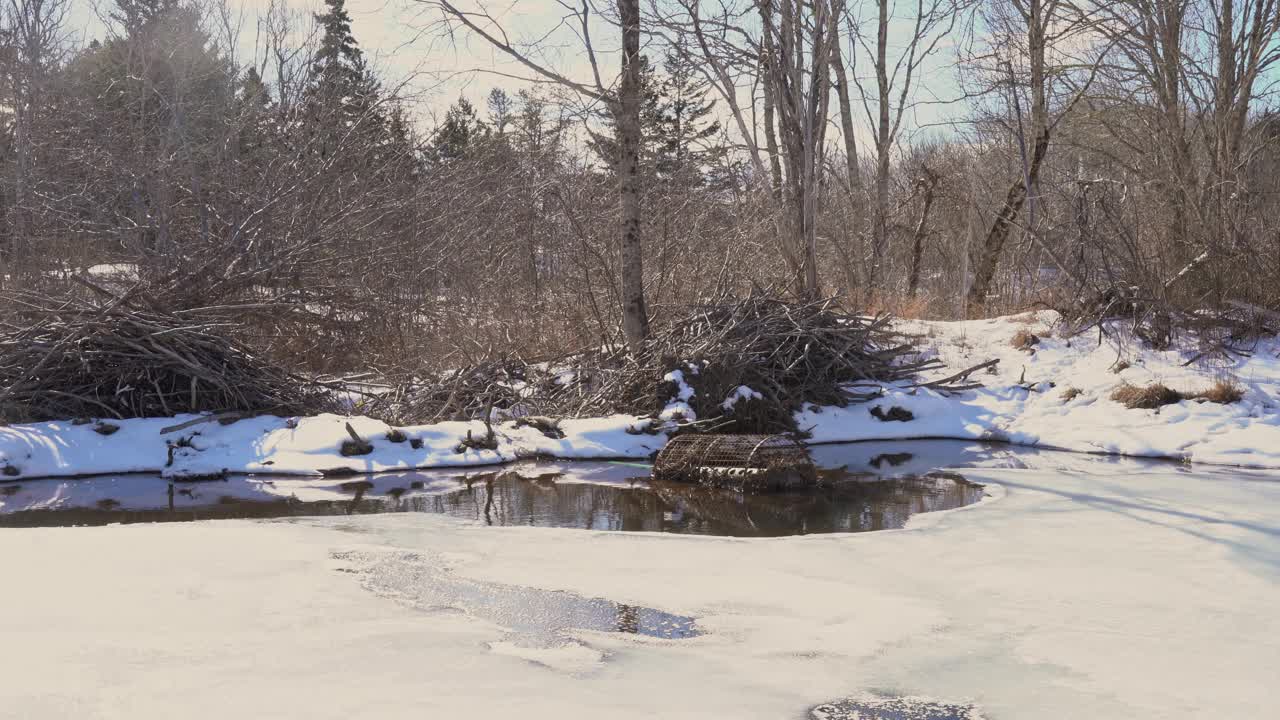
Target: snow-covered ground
[(1022, 402), (1067, 594), (1025, 401)]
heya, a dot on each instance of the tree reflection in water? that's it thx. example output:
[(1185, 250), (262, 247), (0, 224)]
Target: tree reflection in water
[(846, 503)]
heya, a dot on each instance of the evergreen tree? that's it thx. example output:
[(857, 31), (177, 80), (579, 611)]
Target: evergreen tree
[(152, 101), (338, 65), (458, 135), (689, 136), (344, 104), (136, 15), (604, 142), (255, 117), (500, 110), (253, 91)]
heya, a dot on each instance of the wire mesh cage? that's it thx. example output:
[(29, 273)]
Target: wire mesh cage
[(743, 462)]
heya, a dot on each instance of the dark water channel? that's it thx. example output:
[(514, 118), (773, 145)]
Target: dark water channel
[(516, 496), (870, 489)]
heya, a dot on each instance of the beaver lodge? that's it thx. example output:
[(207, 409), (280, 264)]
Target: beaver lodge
[(741, 462)]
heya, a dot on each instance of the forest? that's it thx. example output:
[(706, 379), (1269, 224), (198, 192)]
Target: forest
[(945, 159)]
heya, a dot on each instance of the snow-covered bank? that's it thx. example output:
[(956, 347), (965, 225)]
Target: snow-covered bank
[(1058, 396), (1146, 596), (1024, 401), (298, 446)]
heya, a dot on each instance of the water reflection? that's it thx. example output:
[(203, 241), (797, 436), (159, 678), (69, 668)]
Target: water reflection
[(594, 496)]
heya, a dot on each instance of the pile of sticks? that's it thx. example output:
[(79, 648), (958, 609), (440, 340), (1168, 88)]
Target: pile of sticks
[(77, 358), (789, 353), (508, 385)]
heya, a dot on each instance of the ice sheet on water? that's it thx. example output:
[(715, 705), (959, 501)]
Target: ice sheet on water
[(534, 619)]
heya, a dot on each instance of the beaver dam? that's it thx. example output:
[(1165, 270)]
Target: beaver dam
[(592, 496)]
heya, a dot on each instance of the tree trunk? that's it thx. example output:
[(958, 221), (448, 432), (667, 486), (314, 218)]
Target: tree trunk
[(880, 225), (854, 175), (767, 63), (635, 317), (814, 142), (927, 183), (988, 255)]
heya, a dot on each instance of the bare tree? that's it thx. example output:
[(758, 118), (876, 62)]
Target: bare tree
[(897, 62), (789, 59), (35, 31), (926, 185), (623, 104), (1030, 45), (1190, 72), (285, 39)]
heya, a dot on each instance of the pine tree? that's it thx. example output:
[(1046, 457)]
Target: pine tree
[(500, 110), (339, 63), (344, 103), (136, 15), (604, 142), (253, 91), (461, 130), (255, 119), (154, 98), (689, 136), (343, 87)]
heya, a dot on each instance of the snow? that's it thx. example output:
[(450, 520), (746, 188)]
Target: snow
[(298, 446), (679, 409), (113, 271), (569, 657), (1021, 402), (1093, 592), (742, 392)]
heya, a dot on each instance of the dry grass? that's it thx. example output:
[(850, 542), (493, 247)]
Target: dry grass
[(1222, 392), (1069, 394), (905, 308), (1155, 395), (1152, 396), (1024, 340)]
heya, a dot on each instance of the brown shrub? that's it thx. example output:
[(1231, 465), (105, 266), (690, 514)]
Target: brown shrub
[(1150, 397), (1070, 394), (905, 308), (1024, 340)]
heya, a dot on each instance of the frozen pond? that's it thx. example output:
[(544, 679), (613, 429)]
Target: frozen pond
[(878, 492)]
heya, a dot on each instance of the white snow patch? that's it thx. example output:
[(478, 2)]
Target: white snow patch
[(683, 391), (742, 392), (678, 409), (568, 657)]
